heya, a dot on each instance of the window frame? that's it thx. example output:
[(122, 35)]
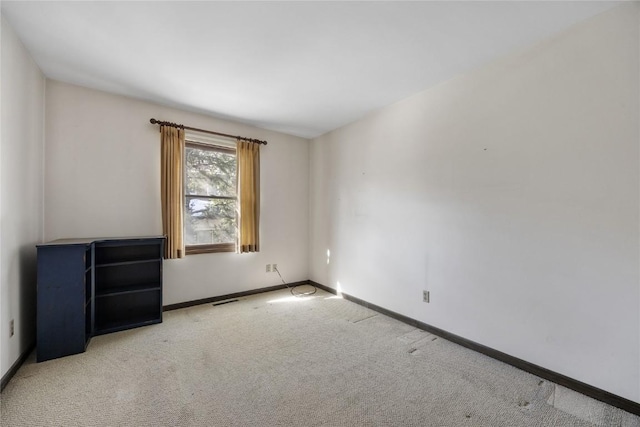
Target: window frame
[(210, 247)]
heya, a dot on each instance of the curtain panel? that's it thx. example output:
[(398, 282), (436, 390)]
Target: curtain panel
[(248, 158), (171, 171)]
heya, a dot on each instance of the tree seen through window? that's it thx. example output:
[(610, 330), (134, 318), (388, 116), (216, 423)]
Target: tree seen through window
[(210, 195)]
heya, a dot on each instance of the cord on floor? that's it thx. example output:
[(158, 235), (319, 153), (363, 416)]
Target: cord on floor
[(292, 290)]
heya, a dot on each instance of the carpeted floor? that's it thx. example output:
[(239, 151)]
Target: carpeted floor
[(274, 360)]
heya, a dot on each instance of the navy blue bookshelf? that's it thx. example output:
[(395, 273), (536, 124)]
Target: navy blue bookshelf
[(89, 287)]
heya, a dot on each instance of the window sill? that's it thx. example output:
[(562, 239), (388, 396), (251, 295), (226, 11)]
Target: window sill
[(209, 249)]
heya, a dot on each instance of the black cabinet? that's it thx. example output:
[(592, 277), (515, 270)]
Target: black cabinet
[(64, 300), (89, 287)]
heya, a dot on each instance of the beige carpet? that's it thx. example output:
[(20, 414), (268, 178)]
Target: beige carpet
[(274, 360)]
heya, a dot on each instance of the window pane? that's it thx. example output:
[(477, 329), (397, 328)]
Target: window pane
[(208, 221), (210, 172)]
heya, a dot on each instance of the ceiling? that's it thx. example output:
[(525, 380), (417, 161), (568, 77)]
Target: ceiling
[(302, 68)]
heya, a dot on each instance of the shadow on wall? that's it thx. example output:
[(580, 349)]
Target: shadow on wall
[(27, 279)]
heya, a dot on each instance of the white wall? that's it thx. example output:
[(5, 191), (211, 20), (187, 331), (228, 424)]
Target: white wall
[(511, 193), (21, 192), (103, 179)]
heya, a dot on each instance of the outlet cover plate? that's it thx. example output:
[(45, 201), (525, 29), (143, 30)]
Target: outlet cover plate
[(425, 296)]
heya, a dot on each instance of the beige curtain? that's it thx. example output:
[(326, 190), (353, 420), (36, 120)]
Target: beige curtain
[(248, 157), (172, 142)]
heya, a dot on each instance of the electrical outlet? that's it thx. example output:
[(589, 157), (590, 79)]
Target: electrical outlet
[(268, 270), (274, 267), (425, 296), (11, 330)]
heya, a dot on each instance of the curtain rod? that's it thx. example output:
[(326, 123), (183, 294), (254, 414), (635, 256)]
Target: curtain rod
[(175, 125)]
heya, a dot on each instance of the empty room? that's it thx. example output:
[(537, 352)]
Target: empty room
[(320, 213)]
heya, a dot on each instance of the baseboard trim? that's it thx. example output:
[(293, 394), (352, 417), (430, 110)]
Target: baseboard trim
[(563, 380), (230, 296), (16, 365)]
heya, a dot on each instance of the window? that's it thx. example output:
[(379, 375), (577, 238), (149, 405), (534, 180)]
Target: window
[(210, 199)]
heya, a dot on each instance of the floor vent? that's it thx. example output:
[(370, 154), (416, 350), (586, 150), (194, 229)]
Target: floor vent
[(225, 302)]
